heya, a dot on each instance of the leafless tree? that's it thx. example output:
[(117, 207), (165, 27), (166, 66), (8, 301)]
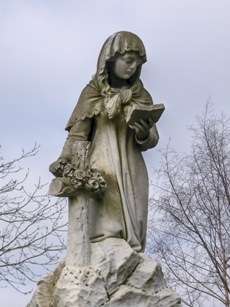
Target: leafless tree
[(192, 229), (31, 225)]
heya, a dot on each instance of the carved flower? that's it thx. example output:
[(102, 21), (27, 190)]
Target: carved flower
[(79, 174), (103, 184), (93, 184), (67, 170), (77, 184), (89, 173)]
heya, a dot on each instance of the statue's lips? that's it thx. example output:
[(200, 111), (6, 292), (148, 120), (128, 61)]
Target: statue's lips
[(128, 74)]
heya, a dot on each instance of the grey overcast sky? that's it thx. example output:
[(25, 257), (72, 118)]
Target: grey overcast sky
[(49, 49)]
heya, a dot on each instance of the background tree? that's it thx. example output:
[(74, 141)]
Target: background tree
[(31, 225), (192, 232)]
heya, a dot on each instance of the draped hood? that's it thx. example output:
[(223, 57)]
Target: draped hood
[(98, 96)]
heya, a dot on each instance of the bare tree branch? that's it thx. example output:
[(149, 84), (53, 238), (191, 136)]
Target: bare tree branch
[(32, 226), (192, 234)]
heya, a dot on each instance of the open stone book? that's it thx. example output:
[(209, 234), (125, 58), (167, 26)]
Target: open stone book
[(135, 113)]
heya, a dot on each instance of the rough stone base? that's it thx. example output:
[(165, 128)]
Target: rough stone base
[(117, 277)]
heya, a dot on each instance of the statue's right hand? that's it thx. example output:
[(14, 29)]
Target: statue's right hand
[(56, 168)]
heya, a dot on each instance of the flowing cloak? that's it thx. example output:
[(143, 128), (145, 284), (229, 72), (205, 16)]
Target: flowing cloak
[(116, 153)]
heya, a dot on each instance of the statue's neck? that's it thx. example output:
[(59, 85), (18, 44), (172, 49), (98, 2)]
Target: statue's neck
[(116, 82)]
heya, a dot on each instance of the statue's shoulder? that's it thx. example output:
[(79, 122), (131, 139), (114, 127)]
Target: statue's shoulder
[(88, 105), (89, 91)]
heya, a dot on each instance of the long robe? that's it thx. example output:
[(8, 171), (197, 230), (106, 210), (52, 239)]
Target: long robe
[(116, 152)]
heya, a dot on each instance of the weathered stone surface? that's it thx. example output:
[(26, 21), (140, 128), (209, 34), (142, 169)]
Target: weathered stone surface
[(78, 247), (43, 296), (79, 287), (116, 261), (148, 275), (116, 276), (166, 297), (129, 296)]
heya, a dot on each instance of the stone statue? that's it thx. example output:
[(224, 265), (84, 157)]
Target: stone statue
[(102, 172)]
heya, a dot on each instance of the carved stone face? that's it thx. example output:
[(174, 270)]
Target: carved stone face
[(126, 65)]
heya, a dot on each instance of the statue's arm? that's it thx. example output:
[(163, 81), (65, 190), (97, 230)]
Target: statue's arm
[(80, 131), (151, 141)]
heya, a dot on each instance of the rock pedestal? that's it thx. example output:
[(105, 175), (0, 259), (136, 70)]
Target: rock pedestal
[(116, 277)]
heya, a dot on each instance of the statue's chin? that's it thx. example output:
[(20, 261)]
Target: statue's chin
[(124, 76), (127, 77)]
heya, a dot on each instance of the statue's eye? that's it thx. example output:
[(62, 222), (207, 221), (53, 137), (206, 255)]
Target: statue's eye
[(129, 61)]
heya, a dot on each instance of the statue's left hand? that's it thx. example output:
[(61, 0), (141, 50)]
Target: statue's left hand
[(142, 128)]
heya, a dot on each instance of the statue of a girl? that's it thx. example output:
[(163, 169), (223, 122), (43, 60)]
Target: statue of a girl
[(115, 146), (102, 171)]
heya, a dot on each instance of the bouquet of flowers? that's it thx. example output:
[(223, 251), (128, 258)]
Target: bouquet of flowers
[(70, 179)]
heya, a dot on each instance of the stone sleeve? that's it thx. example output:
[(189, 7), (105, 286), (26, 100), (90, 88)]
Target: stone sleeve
[(80, 131)]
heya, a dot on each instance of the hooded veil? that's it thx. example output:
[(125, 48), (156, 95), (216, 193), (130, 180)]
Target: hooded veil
[(90, 102), (115, 150)]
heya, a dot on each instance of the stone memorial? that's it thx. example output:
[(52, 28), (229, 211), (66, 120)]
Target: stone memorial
[(102, 173)]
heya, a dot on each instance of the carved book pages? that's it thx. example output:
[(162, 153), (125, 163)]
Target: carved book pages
[(135, 113)]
